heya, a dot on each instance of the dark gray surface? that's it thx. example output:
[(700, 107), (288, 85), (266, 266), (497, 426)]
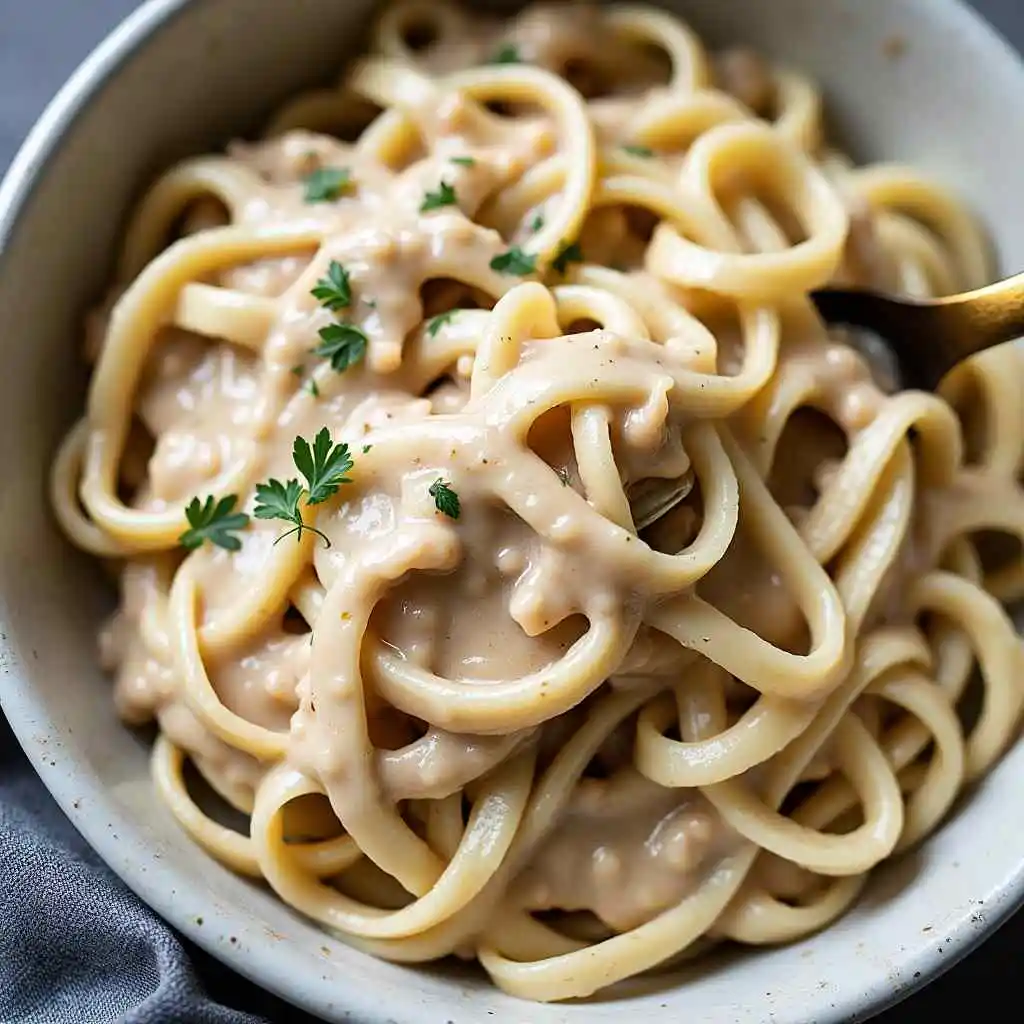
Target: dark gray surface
[(75, 945)]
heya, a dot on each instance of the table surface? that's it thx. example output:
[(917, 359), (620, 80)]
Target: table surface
[(41, 41)]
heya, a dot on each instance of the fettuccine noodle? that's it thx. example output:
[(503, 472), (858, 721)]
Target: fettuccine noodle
[(644, 617)]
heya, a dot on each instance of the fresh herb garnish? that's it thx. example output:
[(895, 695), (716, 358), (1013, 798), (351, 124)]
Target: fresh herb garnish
[(298, 369), (214, 521), (343, 344), (444, 196), (571, 253), (334, 291), (324, 467), (538, 223), (463, 161), (515, 261), (644, 151), (313, 388), (326, 184), (366, 448), (445, 499), (275, 500), (507, 53), (435, 323)]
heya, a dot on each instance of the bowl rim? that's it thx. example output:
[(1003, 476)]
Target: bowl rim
[(26, 712)]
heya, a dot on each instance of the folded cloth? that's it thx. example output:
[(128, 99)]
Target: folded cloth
[(76, 945)]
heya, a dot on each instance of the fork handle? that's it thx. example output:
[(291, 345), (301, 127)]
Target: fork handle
[(985, 317)]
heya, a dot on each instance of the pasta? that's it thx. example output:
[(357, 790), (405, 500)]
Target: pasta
[(500, 531)]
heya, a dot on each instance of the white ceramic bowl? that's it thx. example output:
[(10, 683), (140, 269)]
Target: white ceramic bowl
[(180, 77)]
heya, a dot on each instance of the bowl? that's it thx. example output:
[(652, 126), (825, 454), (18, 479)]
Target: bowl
[(180, 77)]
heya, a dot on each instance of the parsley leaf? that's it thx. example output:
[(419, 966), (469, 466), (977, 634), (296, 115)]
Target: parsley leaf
[(507, 53), (538, 223), (435, 323), (643, 151), (213, 521), (324, 465), (463, 161), (515, 261), (444, 196), (313, 388), (571, 253), (275, 500), (334, 291), (445, 499), (326, 184), (343, 344)]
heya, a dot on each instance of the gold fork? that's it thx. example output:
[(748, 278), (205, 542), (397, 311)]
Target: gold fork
[(922, 338), (926, 338)]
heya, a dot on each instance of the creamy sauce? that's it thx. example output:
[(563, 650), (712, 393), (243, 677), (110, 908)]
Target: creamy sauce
[(625, 850)]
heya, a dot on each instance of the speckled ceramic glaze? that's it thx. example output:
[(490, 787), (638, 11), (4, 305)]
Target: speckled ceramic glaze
[(179, 77)]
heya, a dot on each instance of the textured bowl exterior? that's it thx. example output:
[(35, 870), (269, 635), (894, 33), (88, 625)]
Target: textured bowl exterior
[(180, 77)]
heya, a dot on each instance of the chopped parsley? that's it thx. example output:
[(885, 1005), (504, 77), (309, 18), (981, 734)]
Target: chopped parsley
[(326, 184), (275, 500), (313, 388), (515, 261), (642, 151), (538, 223), (463, 161), (344, 344), (334, 291), (571, 253), (445, 499), (435, 323), (323, 466), (507, 53), (213, 521), (444, 196)]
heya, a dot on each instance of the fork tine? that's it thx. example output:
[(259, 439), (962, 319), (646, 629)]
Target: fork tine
[(915, 334)]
